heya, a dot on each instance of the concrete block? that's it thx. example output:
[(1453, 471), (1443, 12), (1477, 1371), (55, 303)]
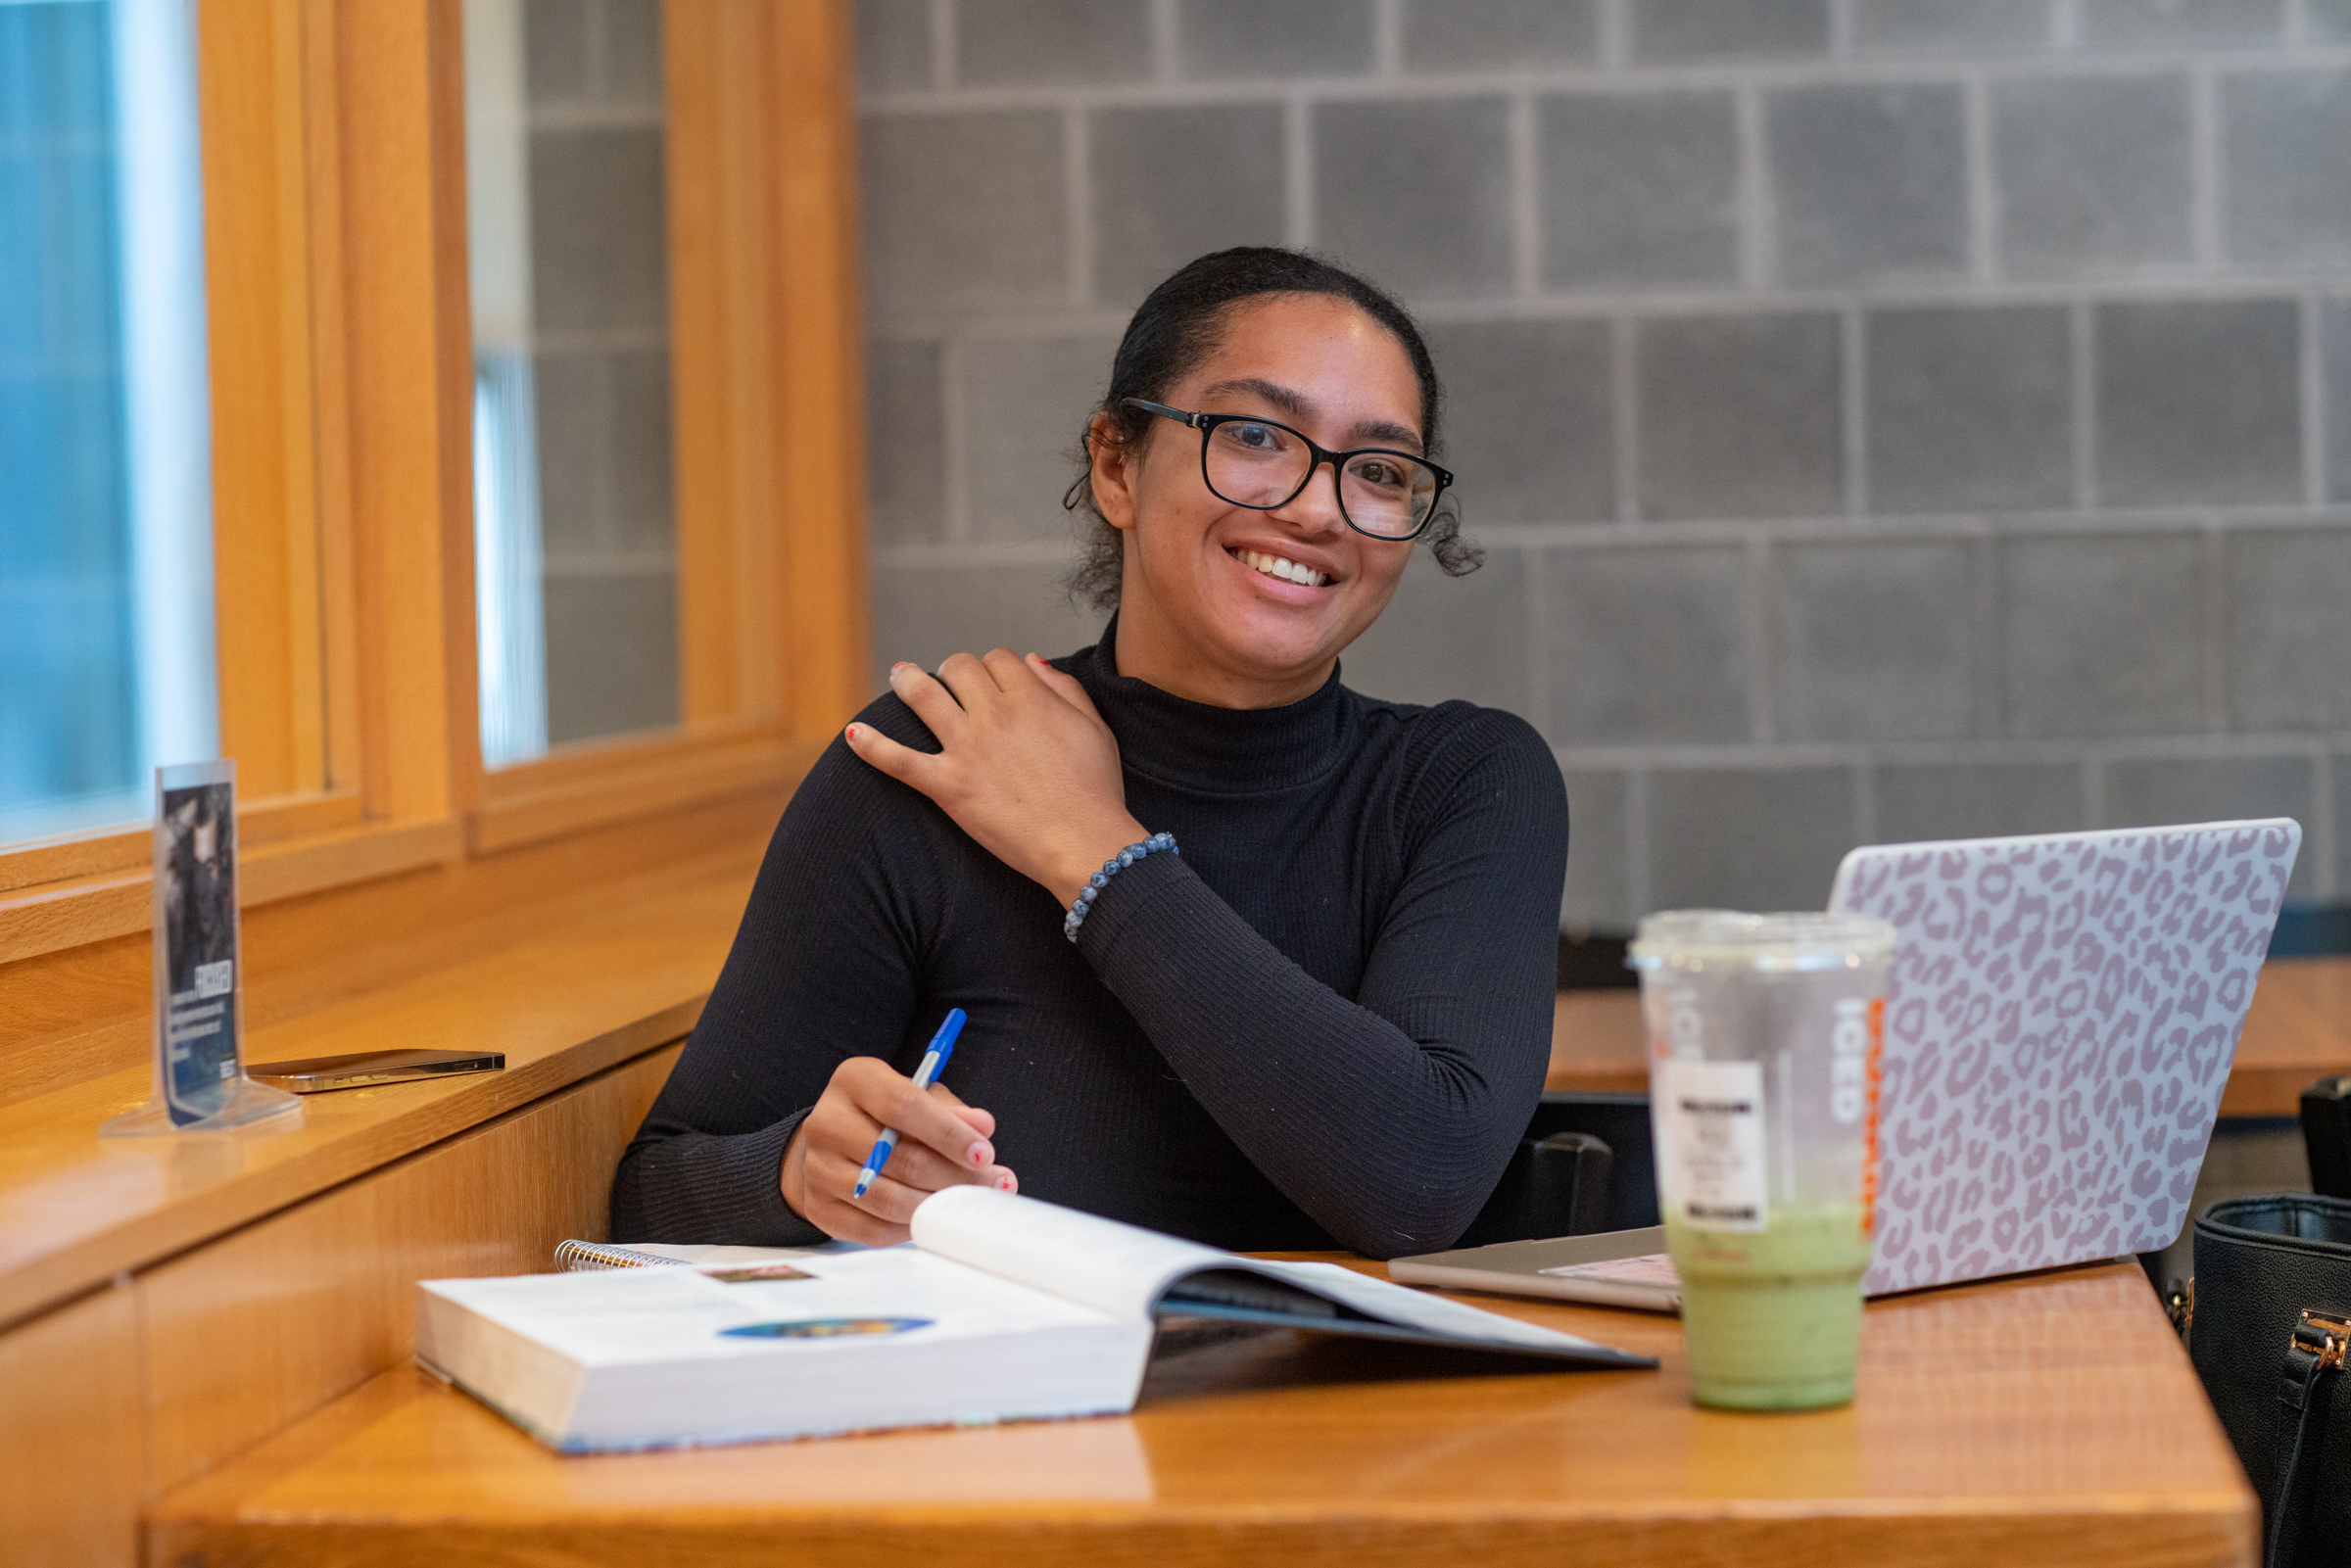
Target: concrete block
[(1639, 189), (2340, 767), (2335, 369), (1528, 425), (1259, 38), (592, 51), (1869, 181), (605, 466), (2101, 636), (1169, 185), (1024, 403), (1647, 646), (1443, 639), (2199, 402), (1488, 34), (2286, 167), (1599, 894), (632, 56), (2326, 21), (1416, 193), (600, 253), (555, 48), (1969, 409), (963, 211), (1954, 24), (1751, 838), (2159, 794), (644, 483), (612, 654), (1004, 43), (2093, 173), (1917, 804), (572, 390), (906, 456), (1710, 30), (893, 45), (1739, 415), (2289, 608), (2179, 21), (1876, 641), (924, 613)]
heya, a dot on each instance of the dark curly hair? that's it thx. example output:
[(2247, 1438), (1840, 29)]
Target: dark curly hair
[(1178, 326)]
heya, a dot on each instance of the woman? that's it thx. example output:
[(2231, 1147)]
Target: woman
[(1323, 1019)]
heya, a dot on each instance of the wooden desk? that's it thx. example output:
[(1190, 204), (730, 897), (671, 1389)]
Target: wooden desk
[(2298, 1030), (2047, 1420), (126, 1266)]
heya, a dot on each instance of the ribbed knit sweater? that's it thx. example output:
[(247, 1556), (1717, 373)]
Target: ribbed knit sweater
[(1324, 1022)]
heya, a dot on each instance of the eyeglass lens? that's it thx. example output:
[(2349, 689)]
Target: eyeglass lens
[(1253, 464)]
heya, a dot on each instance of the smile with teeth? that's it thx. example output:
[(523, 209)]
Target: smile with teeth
[(1288, 571)]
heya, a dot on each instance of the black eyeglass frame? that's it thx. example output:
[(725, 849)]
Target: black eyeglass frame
[(1206, 423)]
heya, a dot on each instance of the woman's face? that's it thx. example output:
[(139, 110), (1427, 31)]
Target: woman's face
[(1199, 615)]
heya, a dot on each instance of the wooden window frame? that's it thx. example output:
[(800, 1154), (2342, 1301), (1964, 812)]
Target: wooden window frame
[(340, 330)]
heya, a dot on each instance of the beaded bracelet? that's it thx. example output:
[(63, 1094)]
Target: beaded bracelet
[(1101, 878)]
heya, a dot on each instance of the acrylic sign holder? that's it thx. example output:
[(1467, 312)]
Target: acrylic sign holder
[(200, 1081)]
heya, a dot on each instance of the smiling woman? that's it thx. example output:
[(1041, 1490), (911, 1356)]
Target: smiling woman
[(1323, 1020)]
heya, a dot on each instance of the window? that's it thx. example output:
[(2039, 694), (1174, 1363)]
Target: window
[(330, 257), (106, 632), (576, 571)]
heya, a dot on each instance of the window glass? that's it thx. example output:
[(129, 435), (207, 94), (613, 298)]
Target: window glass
[(575, 539), (106, 634)]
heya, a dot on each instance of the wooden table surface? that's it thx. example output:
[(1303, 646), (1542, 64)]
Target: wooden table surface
[(2298, 1030), (2051, 1419)]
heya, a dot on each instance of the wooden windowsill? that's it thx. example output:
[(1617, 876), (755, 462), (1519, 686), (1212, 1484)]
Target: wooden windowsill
[(565, 1003), (278, 859), (124, 848), (596, 785)]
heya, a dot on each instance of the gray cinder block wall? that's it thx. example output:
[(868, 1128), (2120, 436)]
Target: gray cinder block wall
[(1884, 418)]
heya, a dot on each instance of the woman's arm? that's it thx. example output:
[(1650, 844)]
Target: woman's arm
[(822, 977), (1388, 1117)]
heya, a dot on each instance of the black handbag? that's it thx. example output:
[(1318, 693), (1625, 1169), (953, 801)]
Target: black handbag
[(2269, 1325)]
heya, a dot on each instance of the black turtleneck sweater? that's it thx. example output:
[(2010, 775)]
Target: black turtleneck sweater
[(1325, 1023)]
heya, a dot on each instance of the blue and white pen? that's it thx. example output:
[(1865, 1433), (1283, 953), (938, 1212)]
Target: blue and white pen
[(934, 1061)]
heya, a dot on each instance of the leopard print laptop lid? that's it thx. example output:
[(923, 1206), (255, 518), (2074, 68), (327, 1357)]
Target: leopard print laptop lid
[(2059, 1024)]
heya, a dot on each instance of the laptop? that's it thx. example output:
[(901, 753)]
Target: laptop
[(2060, 1019)]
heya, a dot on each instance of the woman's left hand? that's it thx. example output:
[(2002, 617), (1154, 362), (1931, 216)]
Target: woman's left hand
[(1026, 764)]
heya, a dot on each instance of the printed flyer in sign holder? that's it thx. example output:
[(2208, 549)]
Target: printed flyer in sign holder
[(200, 1081)]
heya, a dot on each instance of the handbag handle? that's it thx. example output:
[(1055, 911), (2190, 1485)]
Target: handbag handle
[(2316, 1348)]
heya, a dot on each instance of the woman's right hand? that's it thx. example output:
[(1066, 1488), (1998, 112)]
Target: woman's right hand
[(942, 1143)]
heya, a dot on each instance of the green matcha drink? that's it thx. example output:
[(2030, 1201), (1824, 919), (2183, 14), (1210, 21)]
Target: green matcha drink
[(1773, 1319), (1765, 1033)]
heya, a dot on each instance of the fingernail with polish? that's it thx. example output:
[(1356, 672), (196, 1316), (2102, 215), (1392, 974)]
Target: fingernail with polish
[(1004, 1184), (981, 1153)]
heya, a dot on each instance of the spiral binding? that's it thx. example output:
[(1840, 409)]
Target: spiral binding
[(574, 1256)]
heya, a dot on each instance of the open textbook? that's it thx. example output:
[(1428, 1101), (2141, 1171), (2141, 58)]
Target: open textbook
[(1001, 1308)]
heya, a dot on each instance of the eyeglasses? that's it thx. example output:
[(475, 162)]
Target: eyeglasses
[(1261, 464)]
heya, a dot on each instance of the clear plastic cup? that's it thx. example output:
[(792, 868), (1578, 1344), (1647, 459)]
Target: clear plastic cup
[(1764, 1034)]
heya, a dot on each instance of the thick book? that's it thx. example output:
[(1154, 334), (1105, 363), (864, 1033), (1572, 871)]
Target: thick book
[(1001, 1308)]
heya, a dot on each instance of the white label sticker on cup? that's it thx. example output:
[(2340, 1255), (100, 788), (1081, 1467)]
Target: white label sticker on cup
[(1716, 1178)]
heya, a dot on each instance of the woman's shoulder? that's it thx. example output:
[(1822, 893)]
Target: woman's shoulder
[(1437, 748), (1451, 725), (840, 788)]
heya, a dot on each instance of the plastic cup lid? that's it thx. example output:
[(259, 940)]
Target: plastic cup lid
[(1788, 941)]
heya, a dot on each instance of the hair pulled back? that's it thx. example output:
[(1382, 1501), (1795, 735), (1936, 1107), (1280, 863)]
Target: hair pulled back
[(1180, 324)]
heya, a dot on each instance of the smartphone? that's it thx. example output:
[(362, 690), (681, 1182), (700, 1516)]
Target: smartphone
[(311, 1074)]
